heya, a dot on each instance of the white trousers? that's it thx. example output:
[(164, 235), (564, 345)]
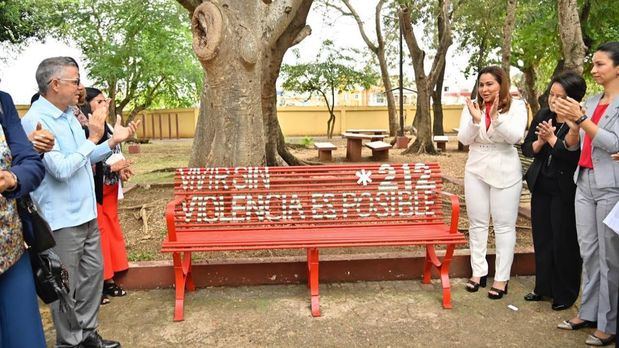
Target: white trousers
[(482, 202)]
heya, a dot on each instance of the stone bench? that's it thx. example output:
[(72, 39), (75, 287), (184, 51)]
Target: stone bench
[(441, 141), (324, 151), (380, 150)]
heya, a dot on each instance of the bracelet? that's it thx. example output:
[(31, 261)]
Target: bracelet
[(581, 119)]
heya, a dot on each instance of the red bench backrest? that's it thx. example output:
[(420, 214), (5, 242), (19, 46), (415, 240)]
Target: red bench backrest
[(298, 197)]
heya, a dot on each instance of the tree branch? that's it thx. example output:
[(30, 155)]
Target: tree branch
[(190, 5), (279, 15), (378, 22), (357, 18), (411, 40), (443, 46), (305, 32)]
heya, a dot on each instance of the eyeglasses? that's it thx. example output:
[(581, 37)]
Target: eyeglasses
[(75, 82)]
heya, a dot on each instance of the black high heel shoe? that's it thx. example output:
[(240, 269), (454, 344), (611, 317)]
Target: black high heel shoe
[(533, 297), (499, 293), (472, 286)]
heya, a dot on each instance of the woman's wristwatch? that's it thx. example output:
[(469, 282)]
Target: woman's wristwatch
[(581, 119)]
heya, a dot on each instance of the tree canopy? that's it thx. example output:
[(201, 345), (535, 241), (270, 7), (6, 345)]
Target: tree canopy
[(332, 73), (139, 51)]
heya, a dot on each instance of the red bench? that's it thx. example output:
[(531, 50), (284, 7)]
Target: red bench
[(310, 207)]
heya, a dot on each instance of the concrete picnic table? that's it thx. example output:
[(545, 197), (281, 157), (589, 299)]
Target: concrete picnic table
[(354, 144), (367, 131)]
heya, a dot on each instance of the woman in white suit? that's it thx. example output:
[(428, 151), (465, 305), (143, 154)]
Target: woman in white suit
[(596, 130), (491, 125)]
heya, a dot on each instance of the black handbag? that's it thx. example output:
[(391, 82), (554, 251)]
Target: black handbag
[(42, 237), (51, 279)]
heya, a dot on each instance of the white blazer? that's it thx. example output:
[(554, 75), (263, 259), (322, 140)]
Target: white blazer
[(492, 156)]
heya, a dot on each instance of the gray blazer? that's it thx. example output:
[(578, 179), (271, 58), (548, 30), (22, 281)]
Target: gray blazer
[(605, 143)]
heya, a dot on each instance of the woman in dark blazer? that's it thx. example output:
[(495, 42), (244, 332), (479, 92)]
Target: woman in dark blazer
[(21, 171), (550, 179)]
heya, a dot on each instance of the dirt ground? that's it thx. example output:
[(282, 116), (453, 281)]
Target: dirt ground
[(365, 314), (143, 243)]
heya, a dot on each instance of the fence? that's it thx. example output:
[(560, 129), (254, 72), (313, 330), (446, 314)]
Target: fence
[(294, 121)]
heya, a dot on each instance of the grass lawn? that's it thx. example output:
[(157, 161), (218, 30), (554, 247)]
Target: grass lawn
[(156, 161)]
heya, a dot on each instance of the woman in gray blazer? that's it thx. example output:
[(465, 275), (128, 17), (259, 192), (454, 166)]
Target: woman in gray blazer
[(596, 130)]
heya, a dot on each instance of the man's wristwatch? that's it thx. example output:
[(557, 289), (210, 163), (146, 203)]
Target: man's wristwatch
[(581, 119)]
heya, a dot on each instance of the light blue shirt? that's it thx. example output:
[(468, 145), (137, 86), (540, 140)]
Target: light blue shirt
[(66, 197)]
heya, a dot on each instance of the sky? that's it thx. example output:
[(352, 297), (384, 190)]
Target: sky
[(17, 71)]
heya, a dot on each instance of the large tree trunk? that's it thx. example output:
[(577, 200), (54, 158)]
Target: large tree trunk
[(423, 142), (437, 104), (391, 107), (425, 83), (240, 44), (508, 29), (571, 35), (276, 151), (530, 77)]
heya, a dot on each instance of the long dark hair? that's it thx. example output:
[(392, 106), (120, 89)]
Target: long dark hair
[(505, 99), (612, 49), (91, 93)]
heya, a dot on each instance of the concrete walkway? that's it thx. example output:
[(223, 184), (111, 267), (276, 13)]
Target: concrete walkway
[(365, 314)]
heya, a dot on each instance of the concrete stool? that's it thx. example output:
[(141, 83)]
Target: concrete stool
[(324, 151), (380, 150), (441, 141)]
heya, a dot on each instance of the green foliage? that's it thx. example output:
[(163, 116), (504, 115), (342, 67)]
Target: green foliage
[(307, 142), (23, 20), (477, 28), (139, 50), (332, 73), (535, 41), (20, 20)]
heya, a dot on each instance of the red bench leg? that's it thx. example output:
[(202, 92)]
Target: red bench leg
[(190, 285), (183, 281), (427, 269), (312, 264), (443, 268)]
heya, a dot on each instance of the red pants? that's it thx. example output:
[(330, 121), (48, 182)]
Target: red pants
[(112, 240)]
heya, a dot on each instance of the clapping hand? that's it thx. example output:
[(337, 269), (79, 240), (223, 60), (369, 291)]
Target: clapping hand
[(568, 107), (96, 123), (615, 156), (42, 139), (494, 110), (120, 165), (474, 110), (125, 174), (546, 131), (122, 133)]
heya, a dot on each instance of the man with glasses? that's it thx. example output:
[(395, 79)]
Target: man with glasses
[(66, 197)]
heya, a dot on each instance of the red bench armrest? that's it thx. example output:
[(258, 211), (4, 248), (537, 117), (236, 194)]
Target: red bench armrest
[(169, 216), (455, 211)]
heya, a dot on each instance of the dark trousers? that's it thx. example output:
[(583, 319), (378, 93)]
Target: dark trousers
[(20, 320), (558, 265)]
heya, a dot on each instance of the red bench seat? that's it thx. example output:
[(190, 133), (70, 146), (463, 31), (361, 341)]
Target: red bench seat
[(226, 209)]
